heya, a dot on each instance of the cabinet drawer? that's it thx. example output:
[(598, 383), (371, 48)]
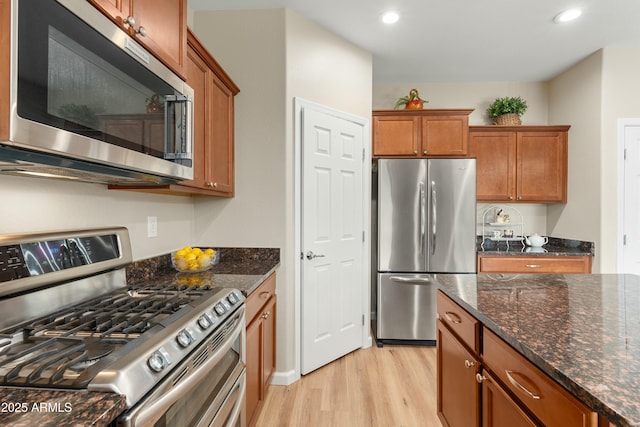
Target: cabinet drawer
[(537, 264), (260, 297), (546, 399), (465, 326)]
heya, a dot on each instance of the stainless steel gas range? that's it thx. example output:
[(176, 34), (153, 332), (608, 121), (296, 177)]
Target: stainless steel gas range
[(70, 321)]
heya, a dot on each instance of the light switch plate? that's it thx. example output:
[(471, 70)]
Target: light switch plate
[(152, 226)]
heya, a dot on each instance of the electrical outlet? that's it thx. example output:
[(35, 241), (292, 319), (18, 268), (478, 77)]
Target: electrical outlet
[(152, 226)]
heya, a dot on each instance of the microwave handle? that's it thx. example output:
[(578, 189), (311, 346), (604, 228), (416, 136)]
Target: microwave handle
[(178, 141)]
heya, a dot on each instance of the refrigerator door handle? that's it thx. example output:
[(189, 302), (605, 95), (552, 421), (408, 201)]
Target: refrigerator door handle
[(433, 216), (410, 279), (422, 213)]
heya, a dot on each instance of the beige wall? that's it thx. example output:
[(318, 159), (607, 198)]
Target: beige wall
[(576, 99), (469, 95), (274, 56)]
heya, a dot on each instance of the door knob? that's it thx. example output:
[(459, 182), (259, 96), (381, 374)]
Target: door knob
[(311, 255)]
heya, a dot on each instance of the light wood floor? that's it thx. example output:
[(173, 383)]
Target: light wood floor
[(392, 386)]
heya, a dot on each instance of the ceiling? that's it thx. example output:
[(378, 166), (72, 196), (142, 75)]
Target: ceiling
[(466, 40)]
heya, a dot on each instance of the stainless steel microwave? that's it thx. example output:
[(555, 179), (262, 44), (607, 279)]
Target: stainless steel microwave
[(89, 103)]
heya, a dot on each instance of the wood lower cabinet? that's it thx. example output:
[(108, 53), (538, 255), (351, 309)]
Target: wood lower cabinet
[(458, 391), (159, 25), (536, 264), (261, 344), (520, 163), (507, 389), (532, 388), (499, 409), (420, 133)]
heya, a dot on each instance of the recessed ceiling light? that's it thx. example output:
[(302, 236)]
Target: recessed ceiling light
[(567, 15), (390, 17)]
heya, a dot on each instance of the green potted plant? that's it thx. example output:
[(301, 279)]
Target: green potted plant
[(507, 110)]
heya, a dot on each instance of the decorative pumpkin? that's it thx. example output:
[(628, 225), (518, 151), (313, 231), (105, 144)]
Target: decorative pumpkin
[(412, 101)]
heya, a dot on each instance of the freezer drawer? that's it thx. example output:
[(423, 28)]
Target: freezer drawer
[(406, 307)]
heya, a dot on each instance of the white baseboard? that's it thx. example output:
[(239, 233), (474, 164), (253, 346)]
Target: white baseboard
[(284, 378)]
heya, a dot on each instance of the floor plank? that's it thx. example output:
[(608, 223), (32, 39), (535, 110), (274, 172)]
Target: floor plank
[(392, 386)]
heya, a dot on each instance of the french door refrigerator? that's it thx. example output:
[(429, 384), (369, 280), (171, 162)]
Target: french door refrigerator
[(424, 213)]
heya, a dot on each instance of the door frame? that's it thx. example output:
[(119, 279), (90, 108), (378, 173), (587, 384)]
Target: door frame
[(299, 105), (622, 123)]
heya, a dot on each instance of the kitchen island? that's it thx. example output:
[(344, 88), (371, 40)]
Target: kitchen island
[(583, 331)]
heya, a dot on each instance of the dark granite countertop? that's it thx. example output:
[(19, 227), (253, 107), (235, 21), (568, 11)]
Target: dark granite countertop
[(582, 330), (24, 407), (555, 247), (240, 268)]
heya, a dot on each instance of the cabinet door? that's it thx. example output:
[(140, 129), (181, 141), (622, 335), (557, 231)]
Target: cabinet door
[(220, 158), (458, 390), (542, 166), (396, 135), (165, 22), (495, 154), (498, 409), (269, 343), (115, 9), (253, 368), (445, 135), (197, 76)]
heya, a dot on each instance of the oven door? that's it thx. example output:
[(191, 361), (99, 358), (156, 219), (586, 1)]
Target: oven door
[(205, 390)]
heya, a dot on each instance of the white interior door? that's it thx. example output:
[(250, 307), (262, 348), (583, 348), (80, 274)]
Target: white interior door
[(332, 243), (631, 202)]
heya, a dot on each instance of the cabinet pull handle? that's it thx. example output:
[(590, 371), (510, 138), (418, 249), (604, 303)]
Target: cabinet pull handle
[(520, 386), (469, 364), (533, 265), (480, 378), (264, 295), (452, 317)]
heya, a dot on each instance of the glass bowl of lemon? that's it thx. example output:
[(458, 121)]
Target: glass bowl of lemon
[(194, 260)]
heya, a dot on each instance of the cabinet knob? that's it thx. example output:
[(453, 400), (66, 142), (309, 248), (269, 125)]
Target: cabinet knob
[(415, 151), (424, 152), (265, 315), (142, 31), (510, 197), (519, 197), (480, 378), (215, 185), (469, 364), (130, 21)]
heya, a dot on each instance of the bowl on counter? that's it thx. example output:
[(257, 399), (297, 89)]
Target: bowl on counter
[(194, 260)]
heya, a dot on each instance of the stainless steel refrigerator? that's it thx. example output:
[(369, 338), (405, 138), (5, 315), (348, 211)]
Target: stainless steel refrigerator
[(424, 213)]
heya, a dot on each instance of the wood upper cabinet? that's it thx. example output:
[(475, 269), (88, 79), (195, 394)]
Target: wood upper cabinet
[(261, 344), (520, 163), (420, 133), (159, 25), (534, 264)]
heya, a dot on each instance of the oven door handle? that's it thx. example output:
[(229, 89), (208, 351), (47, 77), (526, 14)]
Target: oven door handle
[(150, 414), (238, 389)]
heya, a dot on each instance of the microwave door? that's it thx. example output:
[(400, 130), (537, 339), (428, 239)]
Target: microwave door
[(402, 215)]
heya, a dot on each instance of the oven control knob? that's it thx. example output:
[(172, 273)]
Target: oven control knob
[(184, 338), (220, 309), (233, 298), (205, 321), (159, 360)]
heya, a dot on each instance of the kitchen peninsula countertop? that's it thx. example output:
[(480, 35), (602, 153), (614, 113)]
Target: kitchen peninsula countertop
[(555, 247), (240, 268), (581, 330)]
